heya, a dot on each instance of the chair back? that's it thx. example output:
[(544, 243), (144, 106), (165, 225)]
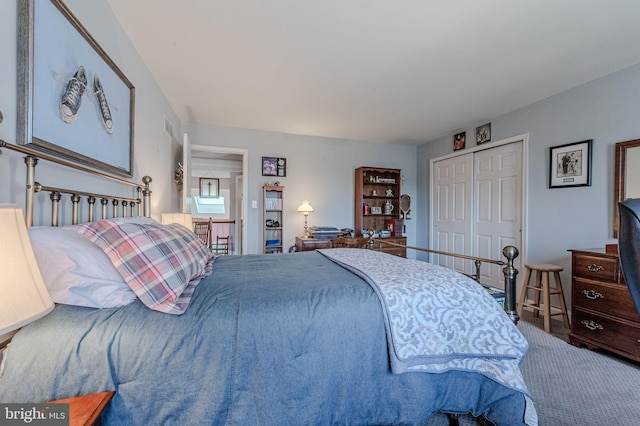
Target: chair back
[(629, 246), (222, 245), (203, 230)]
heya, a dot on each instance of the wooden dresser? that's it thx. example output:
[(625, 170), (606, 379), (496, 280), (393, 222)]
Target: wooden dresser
[(602, 312)]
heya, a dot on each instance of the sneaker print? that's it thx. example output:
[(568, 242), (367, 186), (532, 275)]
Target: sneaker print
[(72, 96), (103, 105)]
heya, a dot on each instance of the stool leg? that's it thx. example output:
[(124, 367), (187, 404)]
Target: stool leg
[(536, 299), (547, 302), (563, 305), (523, 292)]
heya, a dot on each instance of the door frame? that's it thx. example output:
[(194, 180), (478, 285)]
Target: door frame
[(525, 151), (245, 182)]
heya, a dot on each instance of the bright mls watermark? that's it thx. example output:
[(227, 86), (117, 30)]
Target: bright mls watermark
[(34, 414)]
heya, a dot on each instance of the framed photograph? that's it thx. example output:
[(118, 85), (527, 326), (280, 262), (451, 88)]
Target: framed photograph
[(73, 100), (570, 164), (209, 188), (459, 140), (269, 166), (376, 210), (483, 133), (282, 167)]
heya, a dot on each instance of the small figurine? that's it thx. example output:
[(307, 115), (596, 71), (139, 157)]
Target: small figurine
[(389, 193)]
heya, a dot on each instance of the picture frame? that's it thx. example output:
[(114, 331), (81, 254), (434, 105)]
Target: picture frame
[(269, 166), (209, 188), (570, 164), (274, 166), (459, 140), (376, 210), (73, 100), (282, 167), (483, 133)]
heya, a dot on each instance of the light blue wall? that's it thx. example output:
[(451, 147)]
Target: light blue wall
[(320, 170), (606, 110), (153, 147)]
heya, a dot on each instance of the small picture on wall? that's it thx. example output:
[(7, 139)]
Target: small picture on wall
[(274, 166), (483, 133), (459, 140), (282, 167), (269, 166)]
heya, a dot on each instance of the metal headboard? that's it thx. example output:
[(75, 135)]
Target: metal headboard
[(121, 206)]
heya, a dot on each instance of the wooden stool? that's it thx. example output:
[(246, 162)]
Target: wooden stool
[(541, 287)]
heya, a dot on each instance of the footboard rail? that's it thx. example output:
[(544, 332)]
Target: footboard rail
[(509, 271)]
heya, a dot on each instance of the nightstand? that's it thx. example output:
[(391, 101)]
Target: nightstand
[(85, 410), (310, 244)]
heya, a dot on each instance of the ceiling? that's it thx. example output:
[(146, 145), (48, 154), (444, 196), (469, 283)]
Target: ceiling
[(405, 71)]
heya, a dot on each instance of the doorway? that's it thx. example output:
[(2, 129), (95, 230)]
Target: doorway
[(228, 166), (477, 206)]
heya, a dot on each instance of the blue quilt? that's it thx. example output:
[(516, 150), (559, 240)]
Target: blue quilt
[(284, 339)]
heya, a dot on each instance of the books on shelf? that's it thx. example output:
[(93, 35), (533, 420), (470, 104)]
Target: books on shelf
[(273, 203)]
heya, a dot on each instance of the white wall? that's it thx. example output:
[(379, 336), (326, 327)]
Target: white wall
[(152, 146), (320, 170), (605, 110)]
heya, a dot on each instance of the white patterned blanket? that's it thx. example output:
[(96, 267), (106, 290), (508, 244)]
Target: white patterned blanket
[(437, 319)]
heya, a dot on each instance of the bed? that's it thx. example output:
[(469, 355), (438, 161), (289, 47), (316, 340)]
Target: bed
[(325, 337)]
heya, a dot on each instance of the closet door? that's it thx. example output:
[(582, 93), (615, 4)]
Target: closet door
[(497, 206), (452, 189), (477, 208)]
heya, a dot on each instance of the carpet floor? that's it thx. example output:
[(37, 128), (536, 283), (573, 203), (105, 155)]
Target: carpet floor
[(577, 386)]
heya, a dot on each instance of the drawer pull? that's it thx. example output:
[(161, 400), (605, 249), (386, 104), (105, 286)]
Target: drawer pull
[(595, 268), (593, 295), (592, 325)]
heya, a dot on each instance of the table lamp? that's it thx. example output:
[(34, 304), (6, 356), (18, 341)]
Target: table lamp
[(305, 209), (24, 297)]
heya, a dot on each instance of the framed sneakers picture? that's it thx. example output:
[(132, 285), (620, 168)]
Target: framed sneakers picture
[(73, 100)]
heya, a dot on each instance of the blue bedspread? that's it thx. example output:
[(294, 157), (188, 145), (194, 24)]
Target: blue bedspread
[(287, 339)]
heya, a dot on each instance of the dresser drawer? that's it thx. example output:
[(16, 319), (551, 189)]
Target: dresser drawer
[(610, 332), (596, 267), (613, 299)]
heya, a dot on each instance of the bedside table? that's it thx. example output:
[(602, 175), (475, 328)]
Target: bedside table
[(85, 410)]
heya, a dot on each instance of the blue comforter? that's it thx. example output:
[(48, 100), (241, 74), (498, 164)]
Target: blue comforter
[(287, 339)]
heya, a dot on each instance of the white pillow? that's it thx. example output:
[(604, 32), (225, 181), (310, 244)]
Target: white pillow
[(76, 271)]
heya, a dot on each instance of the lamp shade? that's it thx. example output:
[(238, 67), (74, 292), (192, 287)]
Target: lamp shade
[(305, 207), (184, 219), (23, 295)]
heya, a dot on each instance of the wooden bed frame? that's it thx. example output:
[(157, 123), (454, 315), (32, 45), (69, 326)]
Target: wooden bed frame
[(143, 204)]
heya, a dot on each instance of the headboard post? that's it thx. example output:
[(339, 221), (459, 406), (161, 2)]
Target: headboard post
[(31, 162), (92, 207), (75, 199), (146, 194), (55, 202)]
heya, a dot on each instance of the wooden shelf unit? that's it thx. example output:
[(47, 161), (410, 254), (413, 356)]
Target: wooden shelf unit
[(273, 209), (372, 185)]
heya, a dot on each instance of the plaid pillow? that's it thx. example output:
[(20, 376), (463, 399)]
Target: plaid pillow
[(162, 264)]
